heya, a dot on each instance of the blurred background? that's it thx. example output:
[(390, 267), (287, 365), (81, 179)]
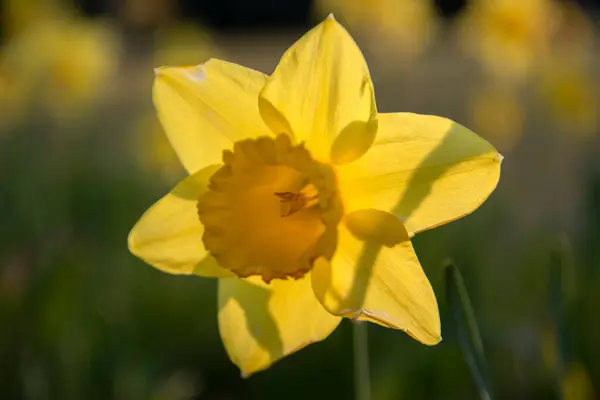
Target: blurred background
[(82, 156)]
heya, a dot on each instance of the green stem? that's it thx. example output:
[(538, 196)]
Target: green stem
[(362, 379), (467, 329)]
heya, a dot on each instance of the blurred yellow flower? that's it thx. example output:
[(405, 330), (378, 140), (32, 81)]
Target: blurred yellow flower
[(302, 198), (153, 150), (569, 93), (577, 384), (403, 26), (566, 79), (497, 113), (508, 36), (62, 64), (549, 348)]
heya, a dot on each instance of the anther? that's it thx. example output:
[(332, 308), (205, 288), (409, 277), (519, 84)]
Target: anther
[(292, 202)]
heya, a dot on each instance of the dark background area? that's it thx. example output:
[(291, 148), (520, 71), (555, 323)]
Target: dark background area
[(232, 15)]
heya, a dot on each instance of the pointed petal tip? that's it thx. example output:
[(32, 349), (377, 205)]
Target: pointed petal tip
[(362, 316), (331, 22), (163, 70), (499, 157), (131, 242), (426, 337), (245, 374), (434, 343), (428, 340)]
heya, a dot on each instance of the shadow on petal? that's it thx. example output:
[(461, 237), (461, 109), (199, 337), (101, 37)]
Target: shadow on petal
[(274, 119), (194, 185), (417, 192), (253, 300), (376, 229), (376, 226), (364, 268), (209, 266), (353, 141)]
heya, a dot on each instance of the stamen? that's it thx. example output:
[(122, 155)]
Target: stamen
[(293, 202)]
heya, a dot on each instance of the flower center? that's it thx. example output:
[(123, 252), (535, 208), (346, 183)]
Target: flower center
[(270, 210)]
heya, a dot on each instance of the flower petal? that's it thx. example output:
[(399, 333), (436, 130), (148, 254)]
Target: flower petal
[(205, 108), (169, 235), (261, 323), (320, 88), (369, 281), (426, 170)]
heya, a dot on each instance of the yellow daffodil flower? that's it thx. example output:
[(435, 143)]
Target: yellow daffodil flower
[(565, 80), (497, 112), (302, 198), (62, 64), (153, 152), (508, 36), (577, 383), (567, 90)]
